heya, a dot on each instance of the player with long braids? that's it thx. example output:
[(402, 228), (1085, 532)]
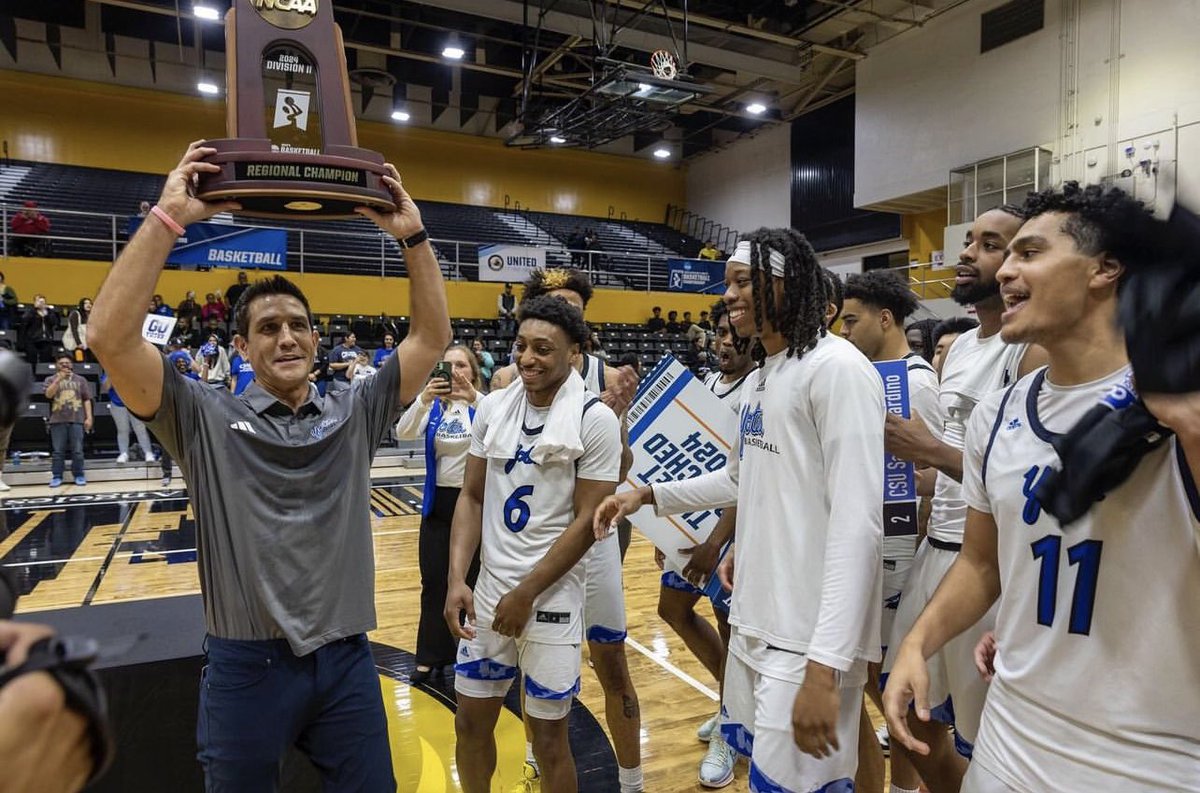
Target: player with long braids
[(806, 473)]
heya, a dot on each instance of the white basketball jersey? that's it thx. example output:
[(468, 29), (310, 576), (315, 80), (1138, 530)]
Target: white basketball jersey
[(973, 369), (593, 373), (729, 393), (1097, 682), (526, 508)]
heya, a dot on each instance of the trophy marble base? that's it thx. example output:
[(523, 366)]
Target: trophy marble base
[(294, 184)]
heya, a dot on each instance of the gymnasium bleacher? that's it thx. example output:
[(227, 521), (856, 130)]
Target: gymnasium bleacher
[(89, 209)]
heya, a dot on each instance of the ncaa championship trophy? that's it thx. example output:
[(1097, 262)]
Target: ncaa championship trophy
[(292, 147)]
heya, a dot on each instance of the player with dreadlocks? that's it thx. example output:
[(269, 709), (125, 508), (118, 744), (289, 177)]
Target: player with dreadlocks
[(806, 473)]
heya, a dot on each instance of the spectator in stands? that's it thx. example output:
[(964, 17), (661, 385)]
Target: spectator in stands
[(381, 355), (575, 244), (214, 362), (487, 364), (126, 422), (442, 416), (594, 346), (213, 308), (185, 364), (656, 324), (699, 358), (694, 331), (920, 337), (320, 376), (37, 331), (944, 334), (506, 305), (188, 331), (70, 416), (234, 292), (157, 306), (340, 359), (673, 323), (143, 209), (704, 323), (189, 309), (360, 367), (74, 340), (213, 327), (241, 373), (27, 226), (709, 251), (591, 244), (8, 305)]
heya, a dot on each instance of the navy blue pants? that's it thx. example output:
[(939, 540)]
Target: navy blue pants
[(257, 699)]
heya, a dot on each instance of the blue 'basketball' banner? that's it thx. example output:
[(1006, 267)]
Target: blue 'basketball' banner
[(899, 477), (225, 245), (696, 275)]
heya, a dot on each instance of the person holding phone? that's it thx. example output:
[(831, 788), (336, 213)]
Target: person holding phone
[(442, 415)]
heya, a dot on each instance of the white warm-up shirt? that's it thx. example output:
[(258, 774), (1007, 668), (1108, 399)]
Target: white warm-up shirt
[(451, 442), (806, 475), (973, 369)]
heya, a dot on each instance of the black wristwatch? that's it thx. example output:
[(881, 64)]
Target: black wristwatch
[(414, 240)]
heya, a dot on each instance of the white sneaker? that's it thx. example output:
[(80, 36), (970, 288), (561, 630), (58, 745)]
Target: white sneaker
[(122, 458), (4, 487), (716, 769), (710, 728), (150, 458)]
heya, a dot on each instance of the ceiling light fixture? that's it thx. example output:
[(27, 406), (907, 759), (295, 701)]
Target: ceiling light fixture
[(557, 139), (662, 153), (453, 52), (207, 87), (200, 11), (400, 115), (756, 109)]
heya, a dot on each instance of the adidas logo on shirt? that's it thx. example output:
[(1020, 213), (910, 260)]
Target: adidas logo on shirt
[(1015, 424), (243, 426)]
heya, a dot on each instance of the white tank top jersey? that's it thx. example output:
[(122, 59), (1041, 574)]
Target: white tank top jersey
[(729, 393), (806, 474), (1098, 667), (592, 373), (526, 507), (973, 369)]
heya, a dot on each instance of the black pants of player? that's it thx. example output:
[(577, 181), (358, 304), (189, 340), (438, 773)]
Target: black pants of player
[(436, 646)]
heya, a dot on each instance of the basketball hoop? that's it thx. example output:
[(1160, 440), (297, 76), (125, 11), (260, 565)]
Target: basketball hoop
[(662, 64)]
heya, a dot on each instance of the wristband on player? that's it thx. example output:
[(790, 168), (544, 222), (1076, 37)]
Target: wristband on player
[(167, 220)]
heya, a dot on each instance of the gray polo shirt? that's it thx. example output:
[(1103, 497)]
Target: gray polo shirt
[(282, 503)]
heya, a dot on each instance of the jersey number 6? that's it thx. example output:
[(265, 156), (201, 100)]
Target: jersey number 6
[(516, 511)]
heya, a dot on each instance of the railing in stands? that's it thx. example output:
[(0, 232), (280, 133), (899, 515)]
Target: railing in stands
[(701, 228), (315, 250)]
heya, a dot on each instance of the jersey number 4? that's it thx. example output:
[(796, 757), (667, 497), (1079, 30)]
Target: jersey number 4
[(516, 511), (1086, 556)]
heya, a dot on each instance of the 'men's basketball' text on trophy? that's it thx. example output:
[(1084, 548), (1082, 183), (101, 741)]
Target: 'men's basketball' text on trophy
[(292, 147)]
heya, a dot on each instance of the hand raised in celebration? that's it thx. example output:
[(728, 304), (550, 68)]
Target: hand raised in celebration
[(178, 197), (405, 221)]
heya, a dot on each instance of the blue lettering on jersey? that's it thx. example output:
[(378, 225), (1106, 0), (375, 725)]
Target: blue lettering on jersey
[(1033, 508), (454, 427), (521, 455), (754, 430)]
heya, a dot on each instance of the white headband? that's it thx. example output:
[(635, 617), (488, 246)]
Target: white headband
[(741, 255)]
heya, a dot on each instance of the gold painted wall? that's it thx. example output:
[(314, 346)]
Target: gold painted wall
[(64, 282), (51, 119)]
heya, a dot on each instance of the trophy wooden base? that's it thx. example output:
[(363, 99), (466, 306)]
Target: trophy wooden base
[(295, 184)]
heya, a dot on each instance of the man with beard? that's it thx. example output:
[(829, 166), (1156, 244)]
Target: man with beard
[(978, 363)]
